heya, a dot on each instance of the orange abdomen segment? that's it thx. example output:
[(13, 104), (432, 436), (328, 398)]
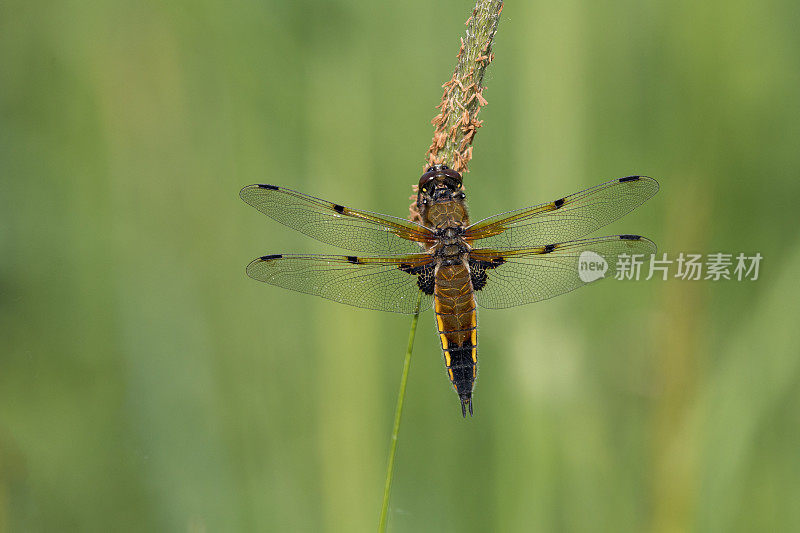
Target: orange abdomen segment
[(457, 323)]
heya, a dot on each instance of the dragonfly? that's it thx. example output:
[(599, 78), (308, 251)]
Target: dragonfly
[(506, 260)]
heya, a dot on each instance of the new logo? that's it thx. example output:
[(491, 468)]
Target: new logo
[(591, 266)]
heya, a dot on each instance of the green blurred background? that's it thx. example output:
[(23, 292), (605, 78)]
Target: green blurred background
[(146, 384)]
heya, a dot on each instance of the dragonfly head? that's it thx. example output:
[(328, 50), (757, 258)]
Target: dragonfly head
[(439, 183)]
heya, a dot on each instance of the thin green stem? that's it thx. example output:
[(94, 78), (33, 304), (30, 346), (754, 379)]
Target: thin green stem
[(398, 412)]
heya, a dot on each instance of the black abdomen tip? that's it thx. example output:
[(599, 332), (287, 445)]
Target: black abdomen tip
[(466, 402)]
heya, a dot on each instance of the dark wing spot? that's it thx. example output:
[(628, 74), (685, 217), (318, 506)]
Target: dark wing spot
[(629, 178), (549, 248), (478, 277), (338, 208), (558, 203), (405, 267), (426, 280), (353, 259), (269, 187), (477, 271), (270, 257), (630, 237)]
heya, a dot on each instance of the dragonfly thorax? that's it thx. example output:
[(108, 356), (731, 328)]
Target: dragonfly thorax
[(440, 199), (451, 248)]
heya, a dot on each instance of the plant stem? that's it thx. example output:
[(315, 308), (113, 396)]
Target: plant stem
[(398, 412), (457, 121)]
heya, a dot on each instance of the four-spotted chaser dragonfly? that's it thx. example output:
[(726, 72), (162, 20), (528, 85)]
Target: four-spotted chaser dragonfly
[(505, 260)]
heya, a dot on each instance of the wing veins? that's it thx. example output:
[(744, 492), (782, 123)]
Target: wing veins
[(336, 224), (580, 213), (368, 282), (533, 274)]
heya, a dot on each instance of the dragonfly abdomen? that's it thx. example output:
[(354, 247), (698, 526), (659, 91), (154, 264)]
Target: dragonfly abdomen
[(457, 323)]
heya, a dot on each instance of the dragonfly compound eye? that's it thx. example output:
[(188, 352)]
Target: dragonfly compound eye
[(427, 178)]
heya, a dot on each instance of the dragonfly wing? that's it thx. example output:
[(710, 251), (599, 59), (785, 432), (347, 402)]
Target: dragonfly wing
[(335, 224), (563, 219), (507, 278), (383, 283)]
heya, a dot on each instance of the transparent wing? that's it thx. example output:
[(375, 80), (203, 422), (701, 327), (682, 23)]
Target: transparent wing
[(563, 219), (381, 283), (519, 277), (336, 224)]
